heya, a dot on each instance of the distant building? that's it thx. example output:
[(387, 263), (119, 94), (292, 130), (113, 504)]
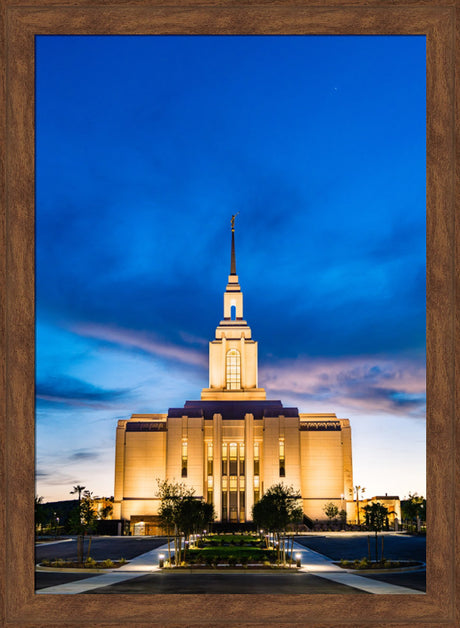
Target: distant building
[(391, 503), (233, 443)]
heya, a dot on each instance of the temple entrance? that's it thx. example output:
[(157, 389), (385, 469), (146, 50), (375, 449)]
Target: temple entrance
[(233, 485)]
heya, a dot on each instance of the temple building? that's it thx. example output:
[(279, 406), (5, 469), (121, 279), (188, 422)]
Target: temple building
[(233, 443)]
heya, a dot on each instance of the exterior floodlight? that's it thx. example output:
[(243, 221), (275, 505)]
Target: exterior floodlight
[(161, 560), (298, 561)]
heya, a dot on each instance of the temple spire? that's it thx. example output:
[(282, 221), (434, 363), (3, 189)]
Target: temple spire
[(232, 261)]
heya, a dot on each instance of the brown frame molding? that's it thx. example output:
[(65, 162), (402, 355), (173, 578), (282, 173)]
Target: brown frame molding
[(436, 20)]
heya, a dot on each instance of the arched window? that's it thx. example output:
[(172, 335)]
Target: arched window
[(233, 370), (233, 312)]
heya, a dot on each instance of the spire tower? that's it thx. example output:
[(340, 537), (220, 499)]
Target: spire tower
[(233, 352), (232, 261)]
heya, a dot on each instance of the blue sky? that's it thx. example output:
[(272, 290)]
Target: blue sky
[(145, 147)]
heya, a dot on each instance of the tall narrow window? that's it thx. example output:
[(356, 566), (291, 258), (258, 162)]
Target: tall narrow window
[(233, 312), (241, 458), (184, 458), (233, 370), (256, 488), (282, 459), (210, 489), (256, 458), (233, 458), (210, 459), (224, 459)]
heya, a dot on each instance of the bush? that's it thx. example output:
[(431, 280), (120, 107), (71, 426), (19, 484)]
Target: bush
[(232, 560), (122, 561), (106, 564)]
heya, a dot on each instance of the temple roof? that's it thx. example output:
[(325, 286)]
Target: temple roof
[(233, 409)]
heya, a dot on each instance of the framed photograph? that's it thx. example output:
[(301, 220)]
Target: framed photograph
[(80, 50)]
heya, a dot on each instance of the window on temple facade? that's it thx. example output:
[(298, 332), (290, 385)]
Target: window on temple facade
[(233, 370), (184, 458), (210, 459), (256, 458), (282, 459)]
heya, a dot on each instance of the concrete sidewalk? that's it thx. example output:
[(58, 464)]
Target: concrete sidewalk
[(318, 565)]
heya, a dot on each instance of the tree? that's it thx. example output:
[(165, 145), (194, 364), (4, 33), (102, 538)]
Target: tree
[(40, 513), (359, 490), (106, 511), (376, 516), (343, 516), (78, 489), (331, 511), (413, 507), (278, 507), (83, 521), (180, 511)]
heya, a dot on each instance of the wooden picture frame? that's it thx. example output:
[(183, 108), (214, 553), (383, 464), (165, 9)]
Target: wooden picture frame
[(22, 21)]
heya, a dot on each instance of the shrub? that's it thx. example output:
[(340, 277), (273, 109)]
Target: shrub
[(122, 561), (232, 560), (45, 563), (107, 563)]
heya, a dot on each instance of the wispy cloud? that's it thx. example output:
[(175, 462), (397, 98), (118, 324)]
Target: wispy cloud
[(84, 454), (362, 384), (75, 392), (142, 341)]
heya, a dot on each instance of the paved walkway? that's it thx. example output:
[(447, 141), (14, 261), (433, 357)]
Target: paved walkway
[(312, 562), (318, 565)]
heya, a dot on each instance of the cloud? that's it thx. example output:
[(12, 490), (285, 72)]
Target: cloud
[(75, 392), (142, 341), (84, 454), (361, 384)]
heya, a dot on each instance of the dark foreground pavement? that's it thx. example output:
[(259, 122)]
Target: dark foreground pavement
[(102, 547), (411, 579), (227, 583)]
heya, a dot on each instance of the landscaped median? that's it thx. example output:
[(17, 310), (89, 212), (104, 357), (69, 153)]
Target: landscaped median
[(72, 566), (364, 565), (230, 551)]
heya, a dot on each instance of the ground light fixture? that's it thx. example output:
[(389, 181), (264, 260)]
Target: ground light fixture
[(161, 560), (298, 562)]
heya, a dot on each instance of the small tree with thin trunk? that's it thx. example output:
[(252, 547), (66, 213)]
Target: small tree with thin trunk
[(83, 520), (376, 515), (331, 511)]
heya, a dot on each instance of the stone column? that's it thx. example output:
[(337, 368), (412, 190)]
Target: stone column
[(217, 464), (249, 464)]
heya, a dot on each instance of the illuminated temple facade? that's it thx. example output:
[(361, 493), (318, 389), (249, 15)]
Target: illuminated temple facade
[(233, 443)]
